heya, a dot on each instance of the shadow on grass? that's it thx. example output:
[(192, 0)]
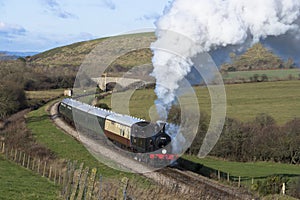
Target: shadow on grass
[(37, 118)]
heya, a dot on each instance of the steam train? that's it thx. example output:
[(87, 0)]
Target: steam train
[(146, 139)]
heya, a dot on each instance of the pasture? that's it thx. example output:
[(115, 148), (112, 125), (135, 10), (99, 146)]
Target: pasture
[(281, 100)]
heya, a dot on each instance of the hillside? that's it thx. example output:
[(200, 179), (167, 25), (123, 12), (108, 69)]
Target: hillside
[(67, 59), (257, 57), (57, 68)]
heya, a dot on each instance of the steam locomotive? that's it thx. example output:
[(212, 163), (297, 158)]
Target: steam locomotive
[(146, 139)]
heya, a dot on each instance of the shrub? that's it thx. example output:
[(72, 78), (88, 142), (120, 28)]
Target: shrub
[(295, 189), (271, 185)]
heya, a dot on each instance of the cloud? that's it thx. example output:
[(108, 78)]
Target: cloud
[(150, 16), (39, 41), (109, 4), (11, 30), (52, 6)]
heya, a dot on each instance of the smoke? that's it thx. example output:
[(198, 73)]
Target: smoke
[(178, 140), (190, 27)]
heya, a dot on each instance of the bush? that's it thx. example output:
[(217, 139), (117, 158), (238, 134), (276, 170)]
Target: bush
[(103, 106), (272, 185), (295, 189)]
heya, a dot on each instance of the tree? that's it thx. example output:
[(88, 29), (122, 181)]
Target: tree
[(12, 98), (292, 132), (295, 188), (289, 64)]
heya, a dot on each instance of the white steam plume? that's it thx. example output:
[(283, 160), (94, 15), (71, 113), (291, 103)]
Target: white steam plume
[(210, 24)]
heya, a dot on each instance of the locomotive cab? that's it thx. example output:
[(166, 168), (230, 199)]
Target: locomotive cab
[(149, 137)]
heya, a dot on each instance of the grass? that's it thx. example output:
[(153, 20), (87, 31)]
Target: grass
[(66, 147), (19, 183), (281, 100), (272, 74), (48, 94), (248, 170)]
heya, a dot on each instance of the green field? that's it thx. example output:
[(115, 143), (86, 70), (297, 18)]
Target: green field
[(19, 183), (280, 99), (273, 75), (43, 95), (248, 170)]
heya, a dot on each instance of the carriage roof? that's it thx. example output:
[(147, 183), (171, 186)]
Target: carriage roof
[(124, 119), (112, 116), (87, 108)]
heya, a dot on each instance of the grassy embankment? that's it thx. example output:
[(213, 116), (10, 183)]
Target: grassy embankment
[(66, 147), (19, 183)]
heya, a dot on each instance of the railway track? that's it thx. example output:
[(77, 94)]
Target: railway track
[(192, 185)]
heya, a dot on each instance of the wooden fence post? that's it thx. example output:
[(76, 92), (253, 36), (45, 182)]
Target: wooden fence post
[(15, 157), (71, 170), (55, 173), (100, 186), (91, 181), (28, 162), (24, 156), (6, 152), (64, 183), (38, 167), (3, 147), (82, 183), (20, 157), (44, 171), (11, 153), (228, 177), (50, 172), (219, 175), (33, 164), (239, 184), (123, 188), (59, 176), (76, 178)]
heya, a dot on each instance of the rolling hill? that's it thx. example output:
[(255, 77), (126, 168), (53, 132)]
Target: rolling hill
[(67, 59)]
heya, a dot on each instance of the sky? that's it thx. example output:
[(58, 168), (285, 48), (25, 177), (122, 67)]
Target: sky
[(39, 25)]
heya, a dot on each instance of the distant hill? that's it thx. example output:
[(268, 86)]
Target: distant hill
[(67, 59), (256, 58), (7, 55)]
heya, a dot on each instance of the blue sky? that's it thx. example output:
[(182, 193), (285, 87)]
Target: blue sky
[(38, 25)]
